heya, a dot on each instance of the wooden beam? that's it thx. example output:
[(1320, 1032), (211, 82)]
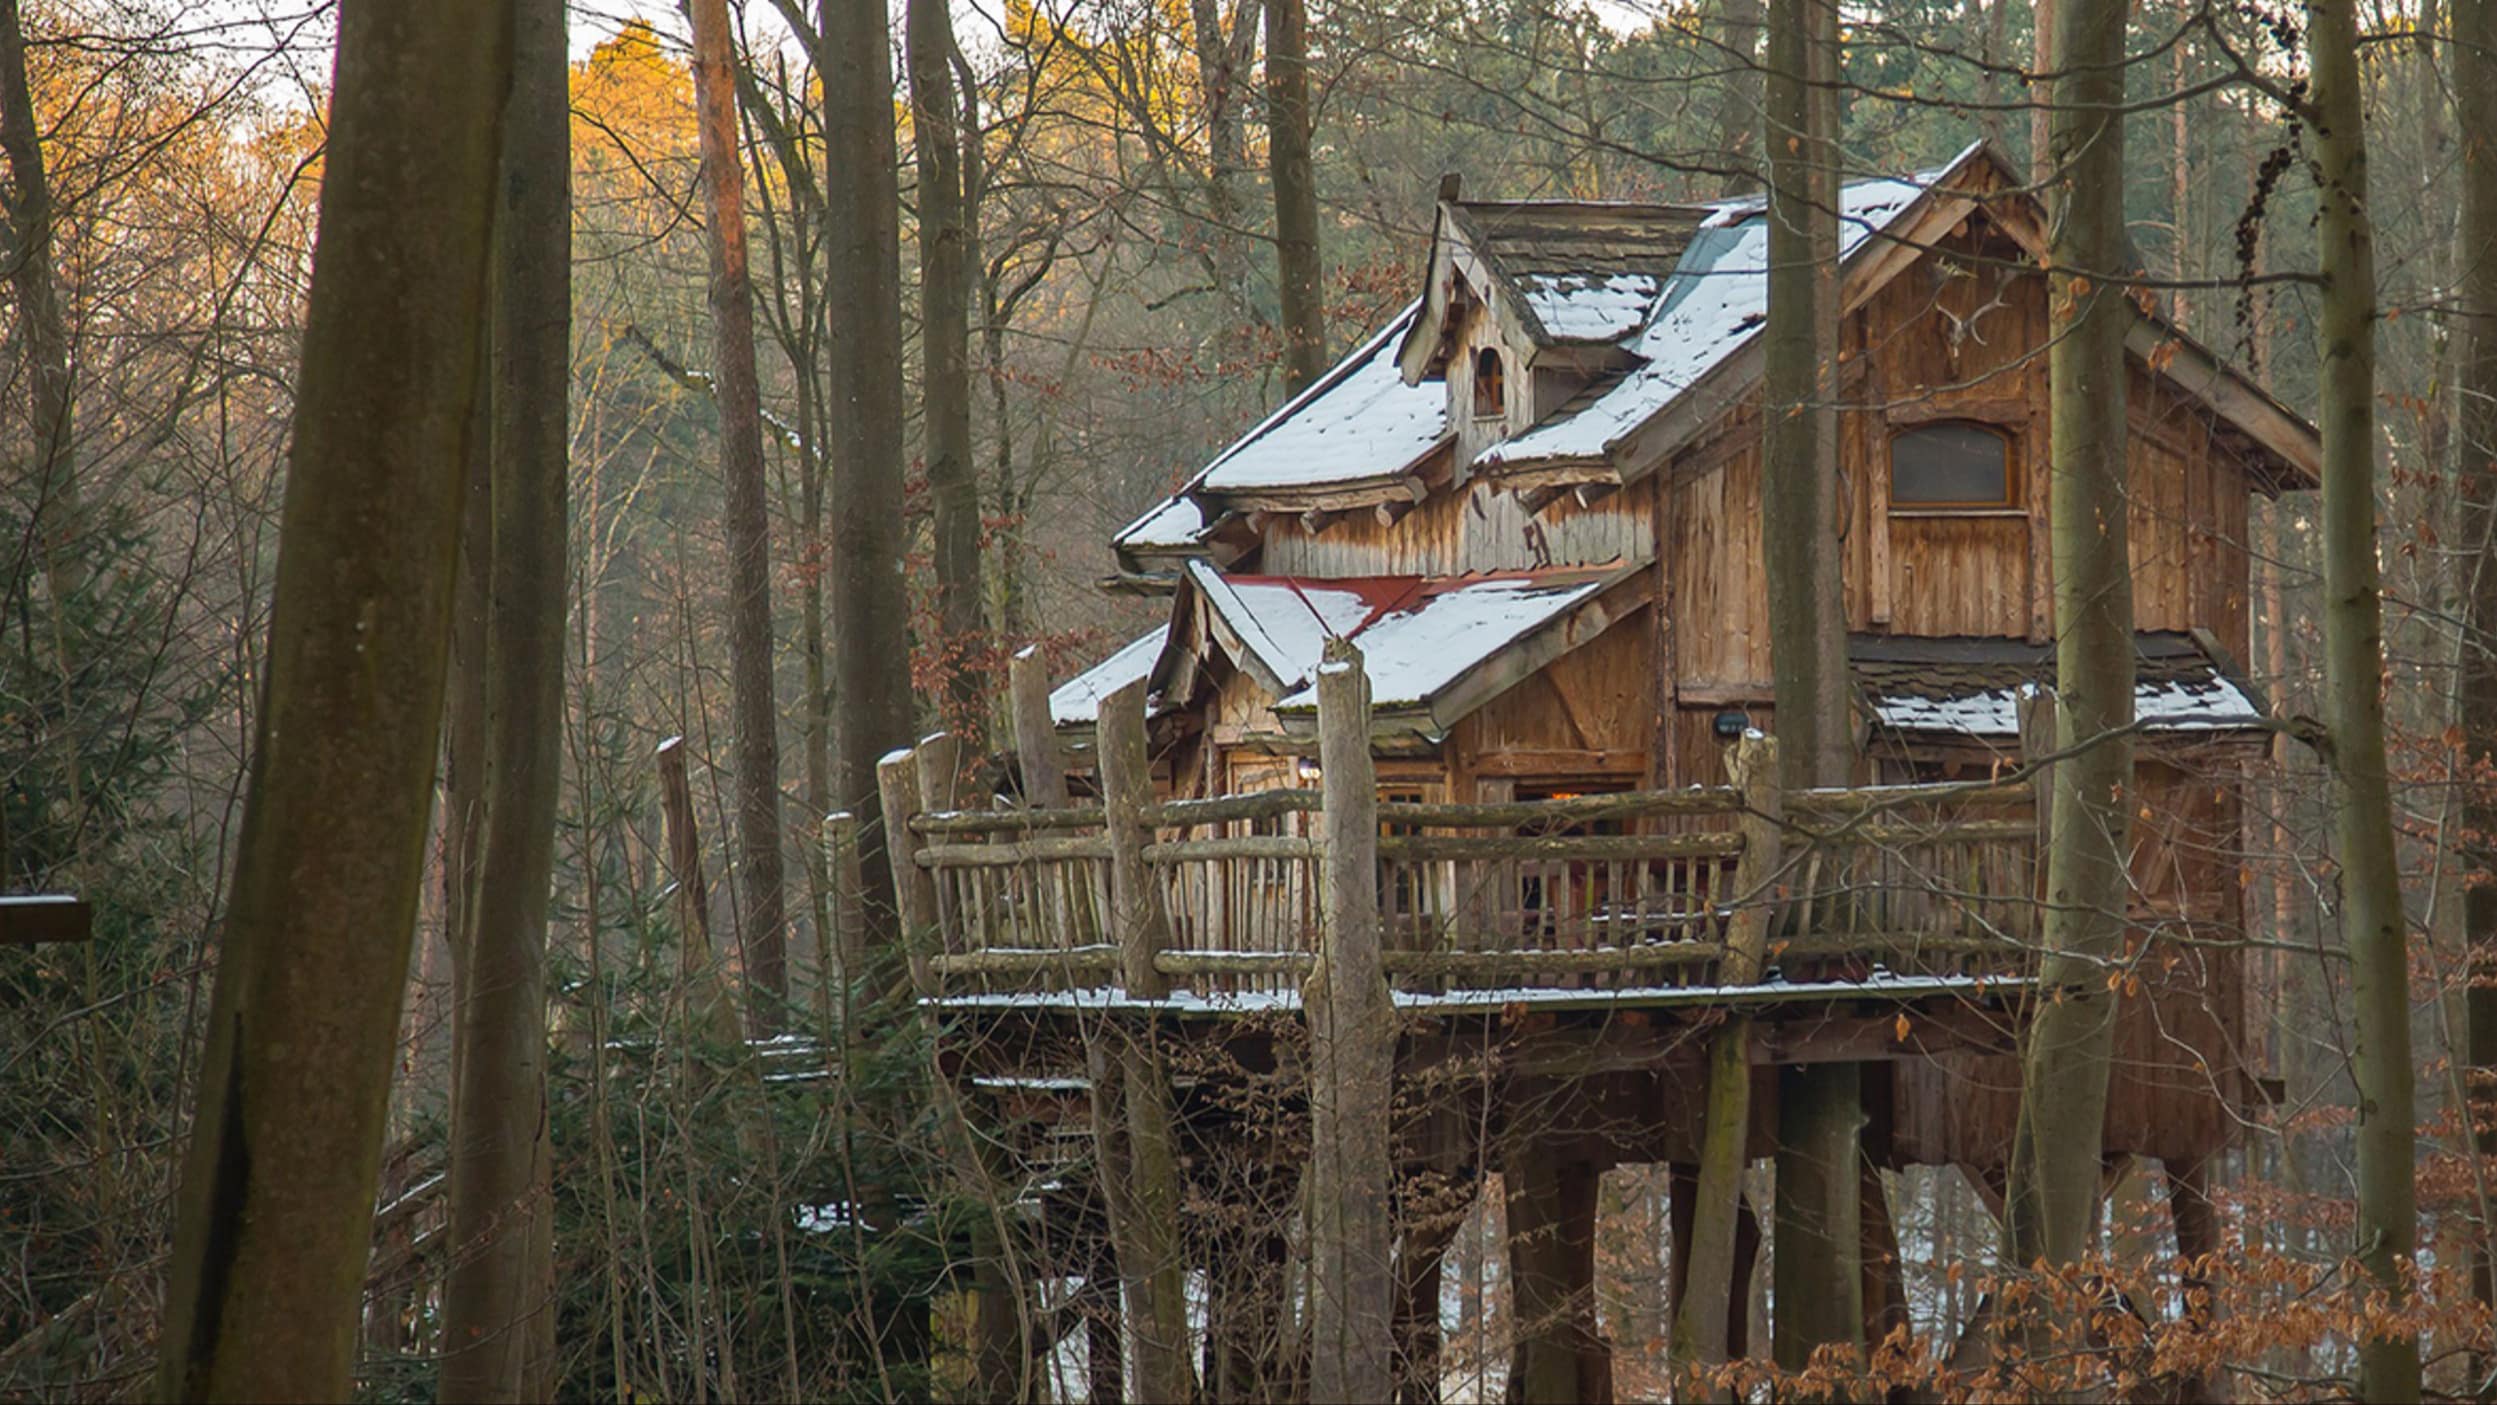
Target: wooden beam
[(26, 919), (1561, 762)]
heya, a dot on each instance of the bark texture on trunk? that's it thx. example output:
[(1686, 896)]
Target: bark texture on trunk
[(2475, 537), (275, 1217), (27, 206), (498, 1302), (870, 610), (1299, 275), (2373, 923), (754, 708), (2051, 1205), (1738, 96), (1819, 1282), (945, 275)]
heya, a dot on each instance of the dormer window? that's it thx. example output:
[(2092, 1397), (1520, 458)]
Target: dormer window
[(1950, 466), (1490, 385)]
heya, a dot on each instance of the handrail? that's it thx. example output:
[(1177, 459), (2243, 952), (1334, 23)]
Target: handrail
[(993, 821)]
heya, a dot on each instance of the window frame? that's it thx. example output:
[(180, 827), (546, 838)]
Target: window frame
[(2013, 500), (1499, 404)]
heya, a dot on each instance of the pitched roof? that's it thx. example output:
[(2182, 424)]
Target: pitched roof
[(1972, 688), (1680, 290), (1435, 647), (1077, 701), (1714, 305), (1358, 423), (1580, 271)]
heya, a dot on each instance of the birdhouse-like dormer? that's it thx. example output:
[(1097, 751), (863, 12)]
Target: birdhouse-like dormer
[(1532, 302)]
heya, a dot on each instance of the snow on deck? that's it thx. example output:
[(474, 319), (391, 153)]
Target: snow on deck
[(1880, 984), (1077, 701), (1715, 303), (1417, 634)]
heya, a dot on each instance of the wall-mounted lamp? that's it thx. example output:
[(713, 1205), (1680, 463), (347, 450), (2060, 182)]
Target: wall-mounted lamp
[(1308, 769)]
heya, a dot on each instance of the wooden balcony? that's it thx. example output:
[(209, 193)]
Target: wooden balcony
[(1731, 896)]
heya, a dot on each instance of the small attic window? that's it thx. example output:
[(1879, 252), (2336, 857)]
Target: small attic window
[(1953, 465), (1491, 391)]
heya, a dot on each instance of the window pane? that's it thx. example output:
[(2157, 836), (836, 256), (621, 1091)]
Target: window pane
[(1950, 465)]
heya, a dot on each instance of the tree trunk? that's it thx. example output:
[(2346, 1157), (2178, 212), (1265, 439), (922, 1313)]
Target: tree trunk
[(275, 1220), (2046, 18), (870, 610), (28, 208), (1738, 97), (498, 1303), (2050, 1210), (2475, 536), (755, 711), (945, 275), (1299, 276), (2373, 922), (1819, 1281)]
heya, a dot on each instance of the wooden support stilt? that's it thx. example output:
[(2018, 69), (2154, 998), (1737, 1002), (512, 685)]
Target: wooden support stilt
[(1418, 1344), (1035, 735), (914, 889), (1151, 1257), (1352, 1038), (2197, 1238), (1560, 1356), (1885, 1299), (1105, 1356), (1819, 1285), (1684, 1193)]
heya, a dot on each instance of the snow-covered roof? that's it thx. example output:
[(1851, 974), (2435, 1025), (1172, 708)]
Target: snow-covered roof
[(1973, 688), (1716, 301), (1077, 701), (1419, 635), (1359, 422)]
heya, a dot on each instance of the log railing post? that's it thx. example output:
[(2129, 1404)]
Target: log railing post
[(1145, 1219), (1035, 732), (1137, 913), (914, 888), (1352, 1031), (1751, 762)]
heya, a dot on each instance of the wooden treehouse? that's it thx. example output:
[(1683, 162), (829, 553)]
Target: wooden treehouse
[(1531, 502)]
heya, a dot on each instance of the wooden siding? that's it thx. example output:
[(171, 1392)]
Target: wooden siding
[(1593, 701), (1473, 528)]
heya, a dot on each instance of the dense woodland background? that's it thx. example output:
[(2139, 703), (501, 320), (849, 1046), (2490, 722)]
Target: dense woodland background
[(1119, 285)]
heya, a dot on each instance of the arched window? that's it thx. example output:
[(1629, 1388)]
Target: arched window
[(1951, 464), (1491, 389)]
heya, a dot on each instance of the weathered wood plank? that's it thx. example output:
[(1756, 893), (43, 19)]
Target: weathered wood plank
[(26, 919)]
